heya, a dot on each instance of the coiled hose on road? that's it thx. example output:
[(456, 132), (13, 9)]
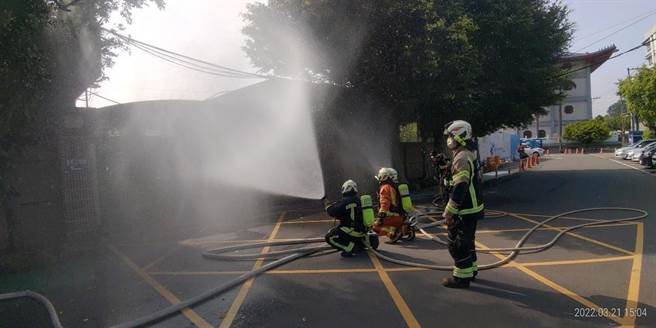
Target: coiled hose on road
[(296, 253)]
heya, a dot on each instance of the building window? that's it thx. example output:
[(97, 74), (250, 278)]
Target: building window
[(528, 134), (569, 109), (542, 134)]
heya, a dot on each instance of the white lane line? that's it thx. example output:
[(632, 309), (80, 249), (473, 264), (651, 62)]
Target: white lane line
[(629, 166)]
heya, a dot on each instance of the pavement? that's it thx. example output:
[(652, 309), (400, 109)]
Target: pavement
[(593, 277)]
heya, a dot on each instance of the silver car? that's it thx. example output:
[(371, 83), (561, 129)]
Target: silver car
[(627, 152), (638, 153)]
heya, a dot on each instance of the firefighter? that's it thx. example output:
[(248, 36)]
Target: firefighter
[(391, 215), (442, 166), (349, 234), (465, 206)]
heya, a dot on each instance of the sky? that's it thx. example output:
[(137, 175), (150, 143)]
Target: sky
[(211, 30)]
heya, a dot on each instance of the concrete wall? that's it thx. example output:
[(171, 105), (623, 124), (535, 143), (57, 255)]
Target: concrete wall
[(36, 176)]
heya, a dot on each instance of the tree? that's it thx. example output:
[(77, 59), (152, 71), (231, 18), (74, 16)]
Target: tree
[(587, 132), (616, 109), (51, 52), (639, 92), (616, 123), (432, 61)]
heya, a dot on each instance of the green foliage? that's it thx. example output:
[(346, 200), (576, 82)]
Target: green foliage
[(648, 134), (493, 63), (409, 132), (587, 132), (639, 92), (49, 54), (614, 123), (617, 108)]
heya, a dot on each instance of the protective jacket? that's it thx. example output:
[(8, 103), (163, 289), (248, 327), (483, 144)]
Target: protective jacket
[(349, 213), (465, 193), (390, 202)]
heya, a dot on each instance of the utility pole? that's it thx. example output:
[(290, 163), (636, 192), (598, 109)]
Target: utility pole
[(537, 125), (560, 126), (86, 98)]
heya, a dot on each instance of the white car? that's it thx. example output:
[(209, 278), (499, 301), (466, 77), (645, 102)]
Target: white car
[(627, 152), (533, 151), (638, 153)]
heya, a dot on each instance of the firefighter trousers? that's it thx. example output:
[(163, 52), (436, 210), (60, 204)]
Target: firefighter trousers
[(461, 238), (343, 241)]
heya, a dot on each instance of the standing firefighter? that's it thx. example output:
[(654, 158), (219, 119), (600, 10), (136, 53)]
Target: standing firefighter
[(465, 206), (354, 223)]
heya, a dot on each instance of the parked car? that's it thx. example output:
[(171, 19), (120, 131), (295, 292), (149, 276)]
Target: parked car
[(638, 153), (625, 152), (533, 150), (648, 158)]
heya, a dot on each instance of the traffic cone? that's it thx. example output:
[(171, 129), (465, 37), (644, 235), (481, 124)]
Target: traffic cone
[(601, 150), (582, 151), (547, 151)]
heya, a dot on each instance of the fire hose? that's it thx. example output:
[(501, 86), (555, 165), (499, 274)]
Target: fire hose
[(297, 253)]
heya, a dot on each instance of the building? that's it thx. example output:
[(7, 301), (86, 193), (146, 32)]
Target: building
[(650, 39), (577, 105)]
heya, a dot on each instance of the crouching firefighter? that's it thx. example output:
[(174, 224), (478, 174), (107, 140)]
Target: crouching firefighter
[(355, 215), (395, 206), (465, 206)]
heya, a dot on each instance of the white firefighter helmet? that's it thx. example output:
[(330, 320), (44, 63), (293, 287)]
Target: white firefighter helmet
[(387, 174), (460, 131), (349, 186)]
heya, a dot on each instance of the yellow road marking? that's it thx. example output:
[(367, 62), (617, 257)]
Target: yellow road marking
[(308, 221), (300, 271), (552, 228), (167, 294), (195, 273), (634, 282), (594, 241), (246, 287), (582, 261), (400, 303), (548, 216), (161, 258), (555, 286), (310, 271)]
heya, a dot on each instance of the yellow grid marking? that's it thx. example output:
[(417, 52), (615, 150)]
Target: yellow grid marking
[(400, 303), (167, 294), (632, 297), (583, 261), (594, 241), (245, 288), (634, 282), (161, 258), (308, 221), (555, 286), (195, 273)]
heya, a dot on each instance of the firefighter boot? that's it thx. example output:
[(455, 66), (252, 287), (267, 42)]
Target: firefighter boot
[(454, 282)]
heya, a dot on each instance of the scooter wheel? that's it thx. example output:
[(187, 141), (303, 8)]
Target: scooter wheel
[(410, 236)]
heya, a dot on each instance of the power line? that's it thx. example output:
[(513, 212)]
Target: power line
[(614, 26), (99, 96), (186, 61), (620, 30)]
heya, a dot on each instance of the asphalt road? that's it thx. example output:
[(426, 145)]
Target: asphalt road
[(610, 268)]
